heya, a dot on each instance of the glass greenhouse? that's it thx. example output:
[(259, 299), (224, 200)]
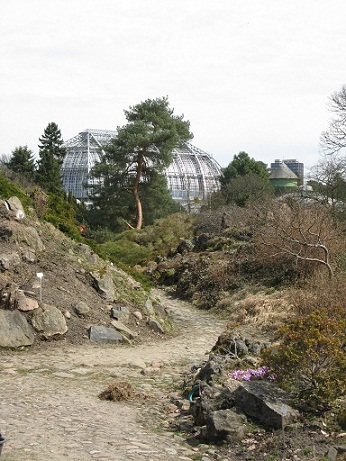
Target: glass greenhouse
[(191, 177)]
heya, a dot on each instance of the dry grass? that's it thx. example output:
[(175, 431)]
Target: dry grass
[(261, 310)]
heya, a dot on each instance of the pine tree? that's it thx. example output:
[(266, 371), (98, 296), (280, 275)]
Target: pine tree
[(51, 156), (22, 161), (52, 141), (143, 146)]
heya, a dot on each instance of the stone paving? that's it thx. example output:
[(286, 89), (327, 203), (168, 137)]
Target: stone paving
[(50, 410)]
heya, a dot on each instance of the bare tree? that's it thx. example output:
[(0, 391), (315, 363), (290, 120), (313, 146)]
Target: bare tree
[(334, 139), (330, 177), (304, 231)]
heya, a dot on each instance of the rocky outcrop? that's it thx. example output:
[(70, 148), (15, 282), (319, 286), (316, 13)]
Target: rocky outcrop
[(21, 235), (76, 288), (216, 408)]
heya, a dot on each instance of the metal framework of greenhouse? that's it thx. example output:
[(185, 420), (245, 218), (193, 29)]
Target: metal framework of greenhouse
[(191, 177)]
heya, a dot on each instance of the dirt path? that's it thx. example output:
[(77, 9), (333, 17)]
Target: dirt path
[(50, 410)]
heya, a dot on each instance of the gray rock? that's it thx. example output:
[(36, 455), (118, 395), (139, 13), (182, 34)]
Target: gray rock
[(14, 329), (29, 255), (149, 307), (104, 284), (121, 327), (49, 321), (101, 334), (214, 366), (15, 232), (241, 349), (88, 253), (264, 402), (336, 452), (24, 303), (16, 206), (9, 261), (138, 315), (155, 325), (225, 425), (82, 309), (120, 313)]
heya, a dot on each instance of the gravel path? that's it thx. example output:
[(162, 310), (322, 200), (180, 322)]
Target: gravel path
[(50, 410)]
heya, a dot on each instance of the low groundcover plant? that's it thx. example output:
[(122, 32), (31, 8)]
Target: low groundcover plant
[(249, 374)]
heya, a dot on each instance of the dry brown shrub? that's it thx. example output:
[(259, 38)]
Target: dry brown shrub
[(321, 292), (118, 390), (260, 310)]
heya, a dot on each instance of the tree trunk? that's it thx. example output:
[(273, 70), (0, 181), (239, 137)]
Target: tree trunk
[(135, 191)]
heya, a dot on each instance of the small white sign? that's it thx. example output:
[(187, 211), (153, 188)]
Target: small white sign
[(284, 410)]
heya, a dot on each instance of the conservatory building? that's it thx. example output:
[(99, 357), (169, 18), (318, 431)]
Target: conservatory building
[(191, 177)]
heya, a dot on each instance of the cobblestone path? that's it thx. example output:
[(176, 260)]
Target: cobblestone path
[(50, 410)]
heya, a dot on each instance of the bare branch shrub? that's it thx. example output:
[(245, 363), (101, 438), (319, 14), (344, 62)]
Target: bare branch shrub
[(305, 232)]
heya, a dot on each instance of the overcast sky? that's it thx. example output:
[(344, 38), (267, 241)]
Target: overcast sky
[(250, 75)]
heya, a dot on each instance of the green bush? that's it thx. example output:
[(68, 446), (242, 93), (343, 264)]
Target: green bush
[(125, 251), (310, 360), (61, 214), (140, 246), (9, 189)]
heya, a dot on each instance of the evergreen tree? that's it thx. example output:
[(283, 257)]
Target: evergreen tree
[(51, 156), (143, 146), (242, 165), (22, 161), (52, 141)]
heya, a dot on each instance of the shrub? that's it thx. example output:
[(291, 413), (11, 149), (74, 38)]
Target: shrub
[(310, 360), (9, 189), (125, 251)]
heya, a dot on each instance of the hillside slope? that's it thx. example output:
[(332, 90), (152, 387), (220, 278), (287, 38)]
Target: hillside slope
[(75, 281)]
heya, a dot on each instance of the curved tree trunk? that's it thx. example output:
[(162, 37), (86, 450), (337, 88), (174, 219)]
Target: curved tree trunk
[(135, 191)]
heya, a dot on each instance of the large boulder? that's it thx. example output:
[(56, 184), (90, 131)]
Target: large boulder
[(49, 321), (14, 329), (265, 402), (15, 205)]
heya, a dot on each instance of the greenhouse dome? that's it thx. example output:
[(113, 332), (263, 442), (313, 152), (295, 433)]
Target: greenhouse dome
[(191, 177)]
